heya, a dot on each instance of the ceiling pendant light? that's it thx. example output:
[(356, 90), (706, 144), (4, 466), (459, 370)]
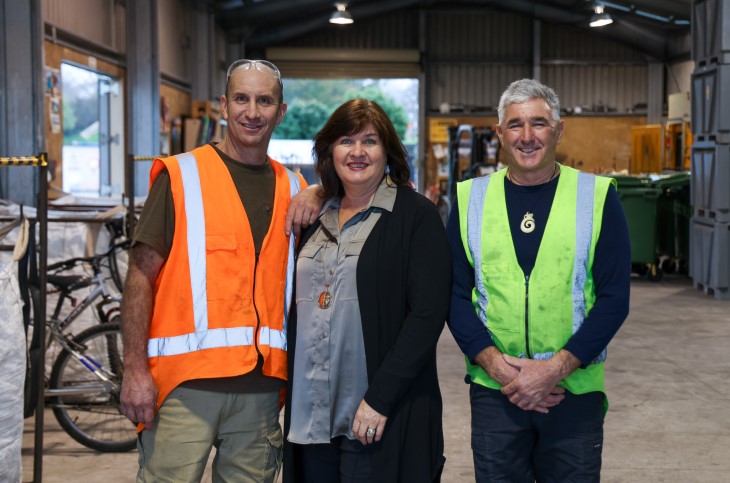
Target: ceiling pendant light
[(341, 16), (600, 18)]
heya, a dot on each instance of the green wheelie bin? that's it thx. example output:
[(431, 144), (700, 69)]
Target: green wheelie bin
[(639, 199), (674, 211)]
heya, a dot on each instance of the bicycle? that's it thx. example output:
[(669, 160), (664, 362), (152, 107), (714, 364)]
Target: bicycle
[(86, 378)]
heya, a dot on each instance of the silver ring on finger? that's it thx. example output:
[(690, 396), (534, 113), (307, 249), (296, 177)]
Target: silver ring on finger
[(370, 432)]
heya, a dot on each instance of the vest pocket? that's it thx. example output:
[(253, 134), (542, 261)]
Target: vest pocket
[(505, 293), (228, 279), (224, 241)]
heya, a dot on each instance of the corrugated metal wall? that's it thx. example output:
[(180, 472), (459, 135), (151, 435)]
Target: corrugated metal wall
[(219, 73), (92, 20), (102, 22), (470, 87), (680, 44), (596, 87), (473, 56), (679, 76), (174, 23), (470, 60), (561, 42), (478, 36), (397, 30)]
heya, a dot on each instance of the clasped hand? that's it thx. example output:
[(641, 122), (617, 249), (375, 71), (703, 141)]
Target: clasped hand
[(530, 385), (535, 386), (366, 420)]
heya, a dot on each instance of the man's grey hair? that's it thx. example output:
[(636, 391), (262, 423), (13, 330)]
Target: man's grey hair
[(524, 90)]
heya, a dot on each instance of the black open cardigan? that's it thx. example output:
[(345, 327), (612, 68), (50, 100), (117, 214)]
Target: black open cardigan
[(403, 286)]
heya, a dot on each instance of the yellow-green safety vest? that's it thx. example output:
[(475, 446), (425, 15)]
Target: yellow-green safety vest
[(533, 317)]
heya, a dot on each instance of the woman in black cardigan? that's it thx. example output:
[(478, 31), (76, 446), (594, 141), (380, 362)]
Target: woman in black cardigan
[(373, 283)]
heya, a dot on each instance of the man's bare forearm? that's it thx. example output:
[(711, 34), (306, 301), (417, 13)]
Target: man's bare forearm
[(145, 265), (564, 364), (490, 359)]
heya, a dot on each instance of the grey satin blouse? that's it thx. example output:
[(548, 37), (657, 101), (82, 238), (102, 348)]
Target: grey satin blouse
[(330, 376)]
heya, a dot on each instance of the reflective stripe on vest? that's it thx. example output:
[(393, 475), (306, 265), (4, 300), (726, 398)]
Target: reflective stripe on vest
[(204, 338), (474, 239), (294, 188), (583, 237)]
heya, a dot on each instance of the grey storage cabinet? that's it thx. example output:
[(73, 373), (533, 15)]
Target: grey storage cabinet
[(710, 32), (710, 91), (710, 257), (710, 181)]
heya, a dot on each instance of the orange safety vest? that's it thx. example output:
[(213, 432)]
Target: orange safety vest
[(214, 304)]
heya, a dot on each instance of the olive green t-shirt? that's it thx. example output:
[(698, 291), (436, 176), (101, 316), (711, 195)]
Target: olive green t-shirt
[(256, 186)]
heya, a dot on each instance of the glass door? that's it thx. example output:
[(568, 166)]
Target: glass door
[(86, 131)]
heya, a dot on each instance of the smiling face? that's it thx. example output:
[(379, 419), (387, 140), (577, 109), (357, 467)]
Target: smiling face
[(530, 136), (359, 161), (252, 109)]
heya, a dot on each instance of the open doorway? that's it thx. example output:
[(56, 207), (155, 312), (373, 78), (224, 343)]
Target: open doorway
[(92, 120)]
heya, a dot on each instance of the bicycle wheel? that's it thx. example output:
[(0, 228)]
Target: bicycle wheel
[(85, 384)]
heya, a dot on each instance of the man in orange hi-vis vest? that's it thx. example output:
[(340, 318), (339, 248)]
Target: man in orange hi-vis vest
[(208, 292)]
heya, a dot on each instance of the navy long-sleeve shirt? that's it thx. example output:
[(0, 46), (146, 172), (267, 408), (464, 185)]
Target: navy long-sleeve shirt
[(611, 271)]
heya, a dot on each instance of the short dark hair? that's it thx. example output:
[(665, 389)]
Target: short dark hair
[(351, 118)]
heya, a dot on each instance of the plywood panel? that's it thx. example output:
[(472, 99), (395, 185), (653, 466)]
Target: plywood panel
[(178, 101), (646, 148), (176, 105), (598, 144)]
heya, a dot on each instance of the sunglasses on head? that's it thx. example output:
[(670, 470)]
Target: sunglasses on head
[(260, 65)]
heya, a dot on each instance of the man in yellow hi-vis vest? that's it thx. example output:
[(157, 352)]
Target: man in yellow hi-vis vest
[(541, 285), (207, 296)]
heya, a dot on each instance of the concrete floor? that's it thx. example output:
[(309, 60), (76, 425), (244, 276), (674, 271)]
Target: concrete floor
[(668, 379)]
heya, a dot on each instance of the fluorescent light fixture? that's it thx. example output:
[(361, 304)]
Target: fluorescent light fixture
[(341, 16), (632, 9), (600, 18)]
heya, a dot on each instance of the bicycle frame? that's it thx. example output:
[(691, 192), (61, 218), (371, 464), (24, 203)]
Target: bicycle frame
[(99, 290), (96, 281), (105, 386), (56, 326)]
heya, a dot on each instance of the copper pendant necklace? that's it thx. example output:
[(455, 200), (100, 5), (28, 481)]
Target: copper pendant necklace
[(325, 296)]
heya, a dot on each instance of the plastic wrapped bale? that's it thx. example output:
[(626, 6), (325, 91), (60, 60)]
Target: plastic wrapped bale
[(13, 362)]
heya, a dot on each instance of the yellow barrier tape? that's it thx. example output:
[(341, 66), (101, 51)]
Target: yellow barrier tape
[(23, 161), (148, 158)]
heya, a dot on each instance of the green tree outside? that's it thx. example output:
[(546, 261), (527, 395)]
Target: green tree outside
[(69, 118), (395, 112), (304, 117), (314, 100)]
